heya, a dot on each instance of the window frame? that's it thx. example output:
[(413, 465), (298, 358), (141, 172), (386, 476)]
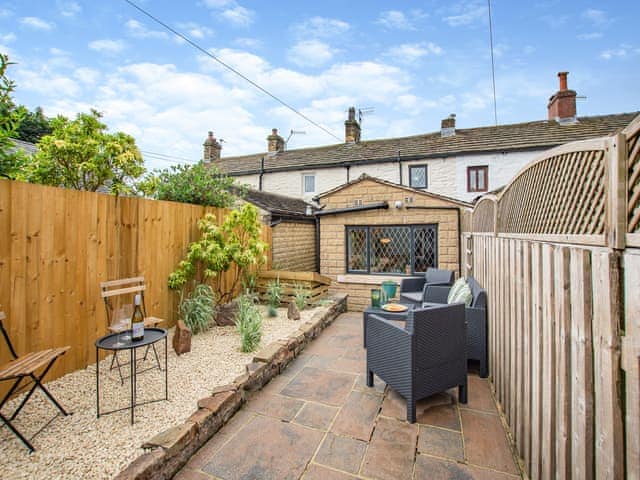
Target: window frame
[(478, 168), (367, 228), (304, 183), (426, 175)]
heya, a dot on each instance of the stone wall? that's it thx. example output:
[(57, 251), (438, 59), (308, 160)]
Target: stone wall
[(333, 232), (294, 247)]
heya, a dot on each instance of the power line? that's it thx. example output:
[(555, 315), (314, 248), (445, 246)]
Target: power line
[(229, 67), (493, 67), (168, 157)]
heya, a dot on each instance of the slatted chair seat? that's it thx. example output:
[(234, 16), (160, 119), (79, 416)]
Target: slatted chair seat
[(24, 368), (29, 363)]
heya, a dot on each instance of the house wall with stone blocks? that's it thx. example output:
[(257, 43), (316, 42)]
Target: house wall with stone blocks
[(333, 255), (294, 247)]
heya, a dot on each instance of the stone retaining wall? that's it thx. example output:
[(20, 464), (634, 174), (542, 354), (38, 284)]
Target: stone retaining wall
[(170, 450)]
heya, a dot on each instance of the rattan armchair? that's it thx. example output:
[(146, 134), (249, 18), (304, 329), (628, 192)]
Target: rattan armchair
[(424, 356)]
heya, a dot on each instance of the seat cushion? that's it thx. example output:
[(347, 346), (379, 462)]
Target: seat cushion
[(415, 297), (453, 292)]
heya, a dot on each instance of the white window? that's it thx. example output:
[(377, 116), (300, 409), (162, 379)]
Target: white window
[(309, 183)]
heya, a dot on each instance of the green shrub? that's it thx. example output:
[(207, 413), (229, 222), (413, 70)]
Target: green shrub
[(198, 309), (274, 296), (248, 323), (301, 295), (250, 282)]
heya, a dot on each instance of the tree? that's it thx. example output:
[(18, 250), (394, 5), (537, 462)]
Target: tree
[(199, 184), (236, 241), (11, 159), (80, 154), (34, 126)]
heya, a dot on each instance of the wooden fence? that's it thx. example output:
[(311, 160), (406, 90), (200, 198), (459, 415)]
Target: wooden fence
[(57, 245), (555, 252)]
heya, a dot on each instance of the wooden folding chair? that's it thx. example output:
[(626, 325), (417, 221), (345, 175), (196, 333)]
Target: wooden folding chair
[(118, 301), (25, 367)]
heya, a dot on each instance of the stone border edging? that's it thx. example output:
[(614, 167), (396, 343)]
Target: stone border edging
[(171, 449)]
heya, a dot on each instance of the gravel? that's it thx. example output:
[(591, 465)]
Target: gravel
[(81, 446)]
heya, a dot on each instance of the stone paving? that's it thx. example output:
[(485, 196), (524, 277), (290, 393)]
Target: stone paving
[(318, 420)]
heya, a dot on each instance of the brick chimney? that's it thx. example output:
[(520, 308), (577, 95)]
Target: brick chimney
[(351, 127), (211, 149), (562, 104), (448, 126), (275, 142)]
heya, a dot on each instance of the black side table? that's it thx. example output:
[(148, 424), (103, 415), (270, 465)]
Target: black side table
[(370, 310), (122, 341)]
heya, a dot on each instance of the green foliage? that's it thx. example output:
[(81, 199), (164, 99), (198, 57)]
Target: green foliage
[(11, 160), (199, 184), (250, 282), (235, 242), (274, 295), (198, 309), (34, 126), (80, 154), (300, 295), (248, 323)]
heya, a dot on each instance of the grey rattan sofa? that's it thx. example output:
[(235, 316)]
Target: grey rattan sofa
[(476, 315), (424, 356), (412, 288)]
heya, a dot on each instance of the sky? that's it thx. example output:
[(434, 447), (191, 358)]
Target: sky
[(406, 64)]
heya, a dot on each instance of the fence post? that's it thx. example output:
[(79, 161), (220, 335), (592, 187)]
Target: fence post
[(616, 218)]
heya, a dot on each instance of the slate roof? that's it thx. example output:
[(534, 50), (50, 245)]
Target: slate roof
[(277, 204), (537, 135), (27, 147), (417, 191)]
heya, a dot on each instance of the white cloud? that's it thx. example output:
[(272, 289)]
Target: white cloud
[(555, 21), (139, 30), (395, 19), (87, 76), (218, 3), (58, 52), (248, 42), (466, 13), (238, 15), (411, 52), (107, 46), (597, 17), (4, 13), (195, 30), (36, 23), (623, 51), (7, 38), (321, 27), (589, 36), (68, 8), (44, 81), (310, 53)]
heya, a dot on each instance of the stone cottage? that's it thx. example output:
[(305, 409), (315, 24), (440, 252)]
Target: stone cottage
[(371, 230), (455, 162)]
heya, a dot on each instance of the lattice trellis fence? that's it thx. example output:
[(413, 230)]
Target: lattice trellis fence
[(633, 176), (484, 214)]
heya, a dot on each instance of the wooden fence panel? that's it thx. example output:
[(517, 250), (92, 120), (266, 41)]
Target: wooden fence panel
[(58, 245)]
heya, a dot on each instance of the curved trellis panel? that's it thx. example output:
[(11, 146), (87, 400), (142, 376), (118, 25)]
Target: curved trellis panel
[(563, 194), (632, 133), (484, 214)]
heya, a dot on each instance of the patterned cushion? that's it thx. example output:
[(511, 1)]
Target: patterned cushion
[(453, 292), (463, 295)]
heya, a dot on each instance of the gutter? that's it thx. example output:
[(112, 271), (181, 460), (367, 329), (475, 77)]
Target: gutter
[(399, 168), (261, 174), (419, 207), (337, 211)]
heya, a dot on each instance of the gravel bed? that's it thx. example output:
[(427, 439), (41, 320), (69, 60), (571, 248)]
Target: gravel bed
[(82, 446)]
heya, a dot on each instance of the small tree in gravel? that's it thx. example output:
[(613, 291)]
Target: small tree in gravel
[(248, 323), (220, 247)]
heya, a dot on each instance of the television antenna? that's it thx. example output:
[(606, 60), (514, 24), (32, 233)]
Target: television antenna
[(364, 111), (292, 133)]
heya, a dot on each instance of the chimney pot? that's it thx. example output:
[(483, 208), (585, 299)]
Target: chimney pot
[(275, 143), (562, 104), (448, 126), (211, 149), (351, 127)]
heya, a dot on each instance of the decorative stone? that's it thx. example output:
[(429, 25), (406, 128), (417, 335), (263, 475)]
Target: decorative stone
[(227, 314), (182, 338), (293, 313)]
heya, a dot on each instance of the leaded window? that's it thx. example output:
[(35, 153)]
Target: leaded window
[(418, 176), (392, 249)]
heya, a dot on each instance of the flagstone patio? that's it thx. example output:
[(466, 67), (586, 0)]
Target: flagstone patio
[(318, 420)]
